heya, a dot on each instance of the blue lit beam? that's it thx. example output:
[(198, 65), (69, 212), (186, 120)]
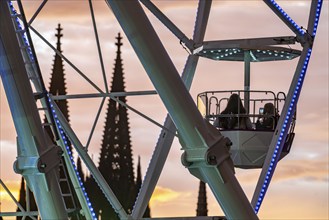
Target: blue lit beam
[(33, 145), (314, 17), (107, 191), (72, 168), (285, 17), (34, 67), (288, 111)]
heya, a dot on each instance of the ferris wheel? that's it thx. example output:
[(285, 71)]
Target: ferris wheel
[(211, 151)]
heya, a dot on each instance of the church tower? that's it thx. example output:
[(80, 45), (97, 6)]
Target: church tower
[(57, 80), (115, 162), (202, 209)]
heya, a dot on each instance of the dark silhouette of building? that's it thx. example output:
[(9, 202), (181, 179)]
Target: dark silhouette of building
[(202, 209), (147, 212), (57, 82), (115, 161)]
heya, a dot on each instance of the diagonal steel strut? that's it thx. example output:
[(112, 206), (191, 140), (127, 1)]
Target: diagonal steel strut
[(206, 154)]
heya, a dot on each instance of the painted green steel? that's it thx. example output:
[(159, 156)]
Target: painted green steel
[(33, 146), (194, 133)]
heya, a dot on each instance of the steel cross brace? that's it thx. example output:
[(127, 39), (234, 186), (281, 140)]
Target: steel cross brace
[(33, 141), (215, 166), (166, 138)]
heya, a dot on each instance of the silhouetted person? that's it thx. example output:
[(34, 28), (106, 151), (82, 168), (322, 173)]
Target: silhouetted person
[(231, 117), (268, 121)]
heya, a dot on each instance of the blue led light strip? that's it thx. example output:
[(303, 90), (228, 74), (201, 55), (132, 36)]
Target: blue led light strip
[(283, 132), (64, 138), (288, 117), (21, 30), (58, 125), (287, 17), (317, 16)]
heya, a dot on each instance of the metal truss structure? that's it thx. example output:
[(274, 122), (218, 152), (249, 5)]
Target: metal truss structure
[(206, 150)]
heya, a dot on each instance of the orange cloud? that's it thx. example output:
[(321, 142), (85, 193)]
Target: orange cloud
[(163, 195), (7, 204)]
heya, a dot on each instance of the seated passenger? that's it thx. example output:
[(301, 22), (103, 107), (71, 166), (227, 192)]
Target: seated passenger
[(230, 118), (268, 121)]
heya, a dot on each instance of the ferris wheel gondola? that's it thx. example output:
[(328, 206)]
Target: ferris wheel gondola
[(249, 144)]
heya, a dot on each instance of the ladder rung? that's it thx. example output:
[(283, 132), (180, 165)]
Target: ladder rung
[(16, 15), (42, 109), (38, 95), (24, 47), (20, 31), (66, 194), (29, 62), (32, 77), (47, 124), (72, 210)]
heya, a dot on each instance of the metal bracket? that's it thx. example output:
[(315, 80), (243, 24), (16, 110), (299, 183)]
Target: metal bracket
[(217, 153), (305, 40), (212, 156), (34, 164), (49, 159)]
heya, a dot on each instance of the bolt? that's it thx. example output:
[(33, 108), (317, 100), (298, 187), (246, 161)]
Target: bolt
[(212, 160)]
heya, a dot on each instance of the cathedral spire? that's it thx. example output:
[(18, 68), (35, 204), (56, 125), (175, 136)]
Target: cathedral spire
[(118, 43), (57, 80), (115, 162), (202, 209), (59, 35)]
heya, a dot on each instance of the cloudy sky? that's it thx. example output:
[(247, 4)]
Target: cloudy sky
[(299, 189)]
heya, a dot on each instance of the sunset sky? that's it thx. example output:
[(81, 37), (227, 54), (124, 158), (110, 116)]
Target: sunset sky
[(299, 189)]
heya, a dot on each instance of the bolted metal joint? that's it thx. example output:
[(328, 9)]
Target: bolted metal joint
[(219, 152), (305, 40), (49, 159)]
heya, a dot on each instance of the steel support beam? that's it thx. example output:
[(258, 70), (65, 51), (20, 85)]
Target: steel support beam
[(166, 138), (105, 188), (284, 17), (34, 148), (206, 154), (169, 24), (249, 43), (247, 59), (97, 95), (289, 107)]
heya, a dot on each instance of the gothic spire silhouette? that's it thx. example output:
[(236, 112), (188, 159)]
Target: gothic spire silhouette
[(147, 212), (115, 162), (57, 80), (202, 209)]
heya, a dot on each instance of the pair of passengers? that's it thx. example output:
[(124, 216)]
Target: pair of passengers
[(241, 119)]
